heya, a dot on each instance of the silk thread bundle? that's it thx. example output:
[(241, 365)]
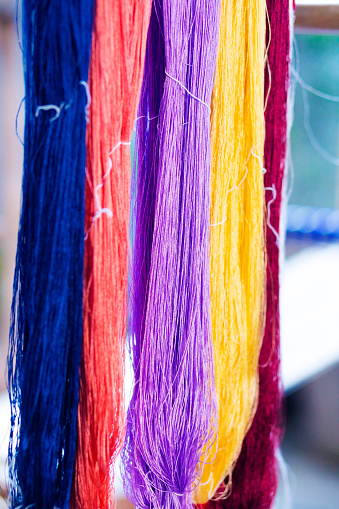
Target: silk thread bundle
[(255, 477), (237, 239), (172, 407), (46, 321), (116, 69)]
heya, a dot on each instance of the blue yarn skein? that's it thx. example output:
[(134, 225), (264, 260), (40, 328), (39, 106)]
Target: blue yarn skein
[(46, 318)]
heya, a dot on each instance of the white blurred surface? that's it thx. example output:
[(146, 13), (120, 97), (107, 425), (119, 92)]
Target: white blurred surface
[(4, 437), (309, 314)]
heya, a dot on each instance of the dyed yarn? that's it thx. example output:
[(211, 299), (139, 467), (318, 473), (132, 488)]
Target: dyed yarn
[(172, 407), (46, 321), (237, 238), (255, 477), (116, 69)]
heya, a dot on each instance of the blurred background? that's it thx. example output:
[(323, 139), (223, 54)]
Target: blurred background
[(310, 276)]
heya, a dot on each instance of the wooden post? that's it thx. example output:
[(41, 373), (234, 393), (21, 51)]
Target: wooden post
[(313, 16)]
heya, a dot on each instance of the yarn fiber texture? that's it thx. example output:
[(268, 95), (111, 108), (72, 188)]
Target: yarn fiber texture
[(237, 236), (116, 70), (255, 477), (172, 412), (46, 320)]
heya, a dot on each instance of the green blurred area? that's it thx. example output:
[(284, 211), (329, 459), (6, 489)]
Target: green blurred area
[(316, 181)]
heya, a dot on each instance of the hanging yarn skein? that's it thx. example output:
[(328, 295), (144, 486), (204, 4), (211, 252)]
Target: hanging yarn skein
[(237, 240), (172, 407), (46, 320), (116, 69), (255, 477)]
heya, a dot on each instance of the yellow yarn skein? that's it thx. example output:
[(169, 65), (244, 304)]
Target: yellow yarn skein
[(237, 234)]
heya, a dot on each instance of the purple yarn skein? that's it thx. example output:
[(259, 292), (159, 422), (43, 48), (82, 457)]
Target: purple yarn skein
[(173, 402)]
